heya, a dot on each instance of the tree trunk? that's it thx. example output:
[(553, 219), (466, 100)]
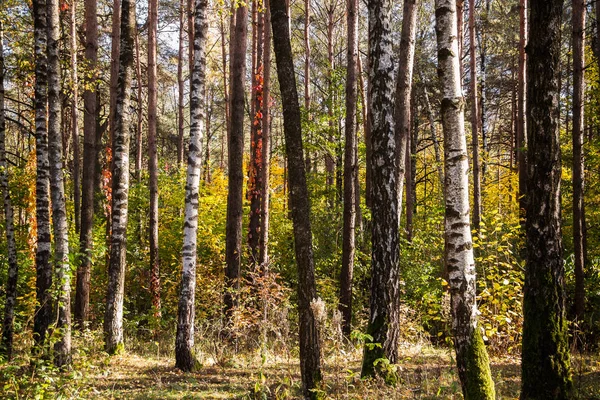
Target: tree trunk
[(113, 319), (402, 117), (43, 312), (484, 88), (256, 146), (184, 341), (140, 115), (350, 172), (90, 151), (384, 302), (471, 356), (521, 123), (13, 267), (153, 157), (62, 347), (225, 93), (578, 162), (329, 158), (307, 59), (75, 120), (180, 86), (474, 121), (310, 351), (545, 356), (233, 240), (266, 142)]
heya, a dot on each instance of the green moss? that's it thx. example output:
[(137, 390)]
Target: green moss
[(479, 385)]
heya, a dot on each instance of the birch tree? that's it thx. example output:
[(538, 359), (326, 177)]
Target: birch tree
[(383, 323), (62, 347), (546, 372), (13, 266), (471, 356), (184, 342), (113, 318)]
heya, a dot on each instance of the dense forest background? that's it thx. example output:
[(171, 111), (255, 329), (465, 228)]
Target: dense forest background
[(141, 97)]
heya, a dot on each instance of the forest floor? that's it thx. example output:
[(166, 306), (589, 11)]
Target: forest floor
[(425, 372)]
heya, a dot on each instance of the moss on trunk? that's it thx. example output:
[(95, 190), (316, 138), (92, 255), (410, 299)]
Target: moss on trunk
[(479, 377)]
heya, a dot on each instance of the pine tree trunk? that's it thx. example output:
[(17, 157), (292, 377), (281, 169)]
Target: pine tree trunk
[(233, 241), (113, 319), (62, 347), (384, 302), (43, 312), (350, 172), (471, 356), (90, 151), (13, 267), (75, 120), (545, 356), (578, 162), (521, 108), (256, 146), (402, 117), (184, 342), (474, 121), (307, 61), (266, 142), (153, 157), (310, 351)]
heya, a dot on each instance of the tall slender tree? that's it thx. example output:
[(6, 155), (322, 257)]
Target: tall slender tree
[(43, 313), (62, 347), (266, 141), (474, 119), (471, 356), (13, 267), (90, 151), (233, 241), (180, 85), (184, 341), (521, 107), (113, 318), (402, 112), (310, 350), (153, 156), (383, 323), (578, 161), (546, 372), (75, 117), (350, 171)]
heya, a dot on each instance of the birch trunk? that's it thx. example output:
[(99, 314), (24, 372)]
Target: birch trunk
[(310, 350), (578, 161), (43, 312), (266, 142), (113, 319), (383, 323), (62, 347), (90, 151), (184, 341), (233, 241), (402, 112), (471, 356), (153, 157), (546, 372), (350, 172), (75, 119), (13, 266)]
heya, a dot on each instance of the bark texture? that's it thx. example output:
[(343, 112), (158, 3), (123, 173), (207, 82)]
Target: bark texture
[(384, 301), (578, 161), (471, 356), (184, 341), (13, 267), (113, 318), (350, 171), (233, 241), (90, 151), (546, 372), (62, 347), (153, 157), (310, 351), (43, 312)]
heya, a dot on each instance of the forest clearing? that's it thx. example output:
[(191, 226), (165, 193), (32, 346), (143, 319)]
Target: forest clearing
[(315, 199)]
